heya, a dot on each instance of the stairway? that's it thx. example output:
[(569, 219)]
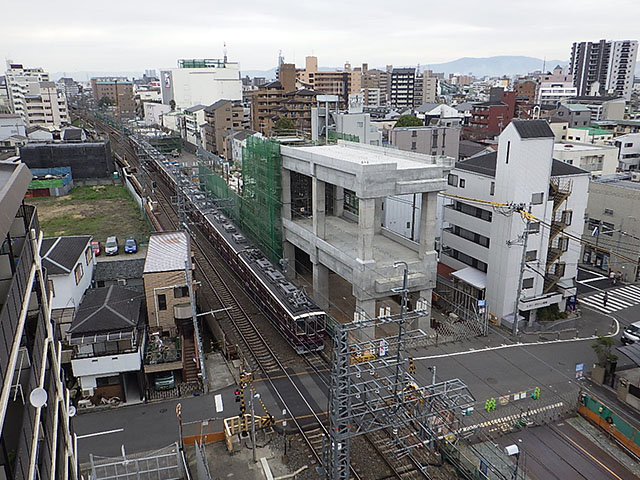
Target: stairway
[(190, 368)]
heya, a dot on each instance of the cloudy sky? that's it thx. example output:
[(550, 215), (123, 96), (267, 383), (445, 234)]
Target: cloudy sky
[(119, 35)]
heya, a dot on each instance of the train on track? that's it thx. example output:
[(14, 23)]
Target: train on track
[(297, 317)]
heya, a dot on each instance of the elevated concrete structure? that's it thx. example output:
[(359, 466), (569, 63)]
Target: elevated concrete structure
[(351, 241)]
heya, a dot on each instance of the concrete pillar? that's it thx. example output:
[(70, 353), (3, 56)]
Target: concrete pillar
[(367, 306), (377, 219), (366, 219), (318, 207), (338, 202), (289, 253), (286, 193), (428, 223), (321, 285)]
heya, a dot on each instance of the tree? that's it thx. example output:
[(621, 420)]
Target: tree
[(602, 346), (284, 125), (105, 102), (408, 121)]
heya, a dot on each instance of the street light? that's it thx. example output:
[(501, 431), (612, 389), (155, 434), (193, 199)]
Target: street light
[(253, 426), (513, 451)]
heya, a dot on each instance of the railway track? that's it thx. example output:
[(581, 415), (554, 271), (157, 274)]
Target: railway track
[(260, 352), (261, 356)]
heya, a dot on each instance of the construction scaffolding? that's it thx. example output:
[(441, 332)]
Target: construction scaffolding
[(258, 207)]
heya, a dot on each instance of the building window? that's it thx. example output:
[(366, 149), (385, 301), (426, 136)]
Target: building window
[(627, 145), (531, 255), (87, 255), (462, 183), (162, 301), (608, 211), (537, 198), (534, 227), (413, 145), (78, 272), (563, 244), (492, 190), (414, 133), (452, 180), (567, 215), (107, 381), (607, 228), (181, 292), (527, 283), (508, 151), (560, 268)]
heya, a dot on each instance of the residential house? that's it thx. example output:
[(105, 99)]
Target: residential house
[(596, 159), (576, 115), (108, 340), (589, 135), (628, 151), (427, 140)]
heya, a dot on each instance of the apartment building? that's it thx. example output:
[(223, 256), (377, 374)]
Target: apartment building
[(628, 151), (601, 108), (575, 115), (431, 140), (402, 86), (612, 213), (526, 89), (430, 90), (36, 437), (605, 67), (264, 101), (339, 82), (200, 82), (119, 91), (490, 118), (374, 86), (596, 159), (482, 245), (194, 123), (553, 87), (221, 118)]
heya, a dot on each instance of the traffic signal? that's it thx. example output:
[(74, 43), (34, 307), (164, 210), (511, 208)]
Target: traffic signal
[(237, 392)]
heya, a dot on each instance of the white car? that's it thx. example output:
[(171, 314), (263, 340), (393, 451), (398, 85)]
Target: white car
[(631, 334)]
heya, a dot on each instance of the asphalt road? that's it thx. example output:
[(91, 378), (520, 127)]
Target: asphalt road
[(560, 452)]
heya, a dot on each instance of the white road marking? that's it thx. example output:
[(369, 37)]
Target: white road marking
[(95, 434)]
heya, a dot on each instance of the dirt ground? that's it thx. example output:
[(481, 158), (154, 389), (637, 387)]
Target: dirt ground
[(100, 211)]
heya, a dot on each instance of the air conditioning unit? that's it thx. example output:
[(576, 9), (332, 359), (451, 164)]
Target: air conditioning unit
[(635, 176), (122, 282)]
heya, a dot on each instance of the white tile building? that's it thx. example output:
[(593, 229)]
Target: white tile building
[(474, 241)]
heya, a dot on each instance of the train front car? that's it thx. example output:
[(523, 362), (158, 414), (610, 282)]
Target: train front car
[(310, 331)]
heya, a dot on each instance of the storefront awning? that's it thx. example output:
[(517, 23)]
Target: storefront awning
[(472, 276)]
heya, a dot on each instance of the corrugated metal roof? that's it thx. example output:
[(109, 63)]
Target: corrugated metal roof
[(167, 252)]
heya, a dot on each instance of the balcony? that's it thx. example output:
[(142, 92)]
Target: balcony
[(466, 246), (470, 222)]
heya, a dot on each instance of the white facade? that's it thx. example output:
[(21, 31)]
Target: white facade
[(597, 159), (476, 236), (10, 125), (374, 97), (358, 124), (628, 151), (206, 85), (67, 291), (430, 89), (37, 100), (589, 135), (89, 369), (622, 67), (554, 87), (153, 113), (194, 125)]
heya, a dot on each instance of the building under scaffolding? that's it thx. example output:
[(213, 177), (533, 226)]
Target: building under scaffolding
[(257, 208)]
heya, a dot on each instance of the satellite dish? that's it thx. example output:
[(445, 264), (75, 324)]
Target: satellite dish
[(38, 397), (72, 411)]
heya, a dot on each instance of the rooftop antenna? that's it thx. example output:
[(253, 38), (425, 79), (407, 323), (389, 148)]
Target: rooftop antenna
[(544, 64), (280, 58), (224, 51)]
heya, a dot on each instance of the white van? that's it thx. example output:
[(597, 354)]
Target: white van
[(111, 247)]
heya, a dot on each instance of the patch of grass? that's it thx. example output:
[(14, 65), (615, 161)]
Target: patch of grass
[(100, 211)]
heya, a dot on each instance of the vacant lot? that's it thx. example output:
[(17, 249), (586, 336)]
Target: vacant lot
[(100, 211)]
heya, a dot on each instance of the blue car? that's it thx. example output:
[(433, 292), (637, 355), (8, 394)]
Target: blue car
[(130, 246)]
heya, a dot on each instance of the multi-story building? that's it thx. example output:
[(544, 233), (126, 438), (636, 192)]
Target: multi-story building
[(166, 277), (430, 91), (553, 87), (490, 118), (200, 81), (264, 102), (18, 80), (5, 106), (574, 114), (374, 86), (526, 89), (593, 135), (338, 82), (628, 151), (70, 87), (194, 123), (427, 140), (118, 90), (612, 225), (604, 68), (402, 84), (482, 246), (596, 159), (222, 117), (601, 108), (36, 436)]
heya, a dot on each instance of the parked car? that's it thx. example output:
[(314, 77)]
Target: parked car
[(97, 248), (631, 334), (165, 381), (111, 246), (130, 245)]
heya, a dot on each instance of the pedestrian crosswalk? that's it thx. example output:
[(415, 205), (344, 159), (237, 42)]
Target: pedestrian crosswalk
[(616, 299)]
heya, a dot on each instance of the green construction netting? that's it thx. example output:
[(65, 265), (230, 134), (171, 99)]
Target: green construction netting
[(258, 209)]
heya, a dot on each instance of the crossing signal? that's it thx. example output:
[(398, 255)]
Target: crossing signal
[(237, 392)]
